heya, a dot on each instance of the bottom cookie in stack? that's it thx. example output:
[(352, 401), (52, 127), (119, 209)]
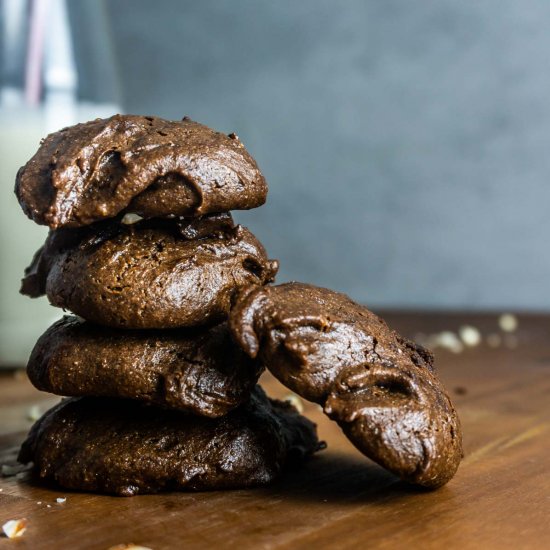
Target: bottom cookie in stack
[(127, 447)]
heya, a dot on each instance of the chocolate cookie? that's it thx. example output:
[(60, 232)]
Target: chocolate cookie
[(126, 447), (153, 274), (154, 167), (196, 370), (380, 388)]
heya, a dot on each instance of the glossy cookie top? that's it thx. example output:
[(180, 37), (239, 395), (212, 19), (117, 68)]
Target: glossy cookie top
[(147, 165)]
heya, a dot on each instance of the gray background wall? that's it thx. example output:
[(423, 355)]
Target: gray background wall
[(407, 144)]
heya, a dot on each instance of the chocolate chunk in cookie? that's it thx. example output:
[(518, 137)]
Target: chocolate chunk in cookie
[(201, 370), (380, 388), (126, 447), (152, 274), (147, 165)]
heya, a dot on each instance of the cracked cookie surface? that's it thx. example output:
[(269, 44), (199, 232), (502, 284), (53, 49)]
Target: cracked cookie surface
[(147, 165), (378, 386)]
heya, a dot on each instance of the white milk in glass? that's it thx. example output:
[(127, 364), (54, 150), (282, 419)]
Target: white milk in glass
[(23, 319)]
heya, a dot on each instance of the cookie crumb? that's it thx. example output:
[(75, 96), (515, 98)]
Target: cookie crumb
[(470, 335), (130, 218), (448, 340), (14, 528), (508, 322), (33, 413), (461, 390), (295, 401)]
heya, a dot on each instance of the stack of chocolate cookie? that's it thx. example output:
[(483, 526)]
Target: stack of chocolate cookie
[(143, 249), (181, 320)]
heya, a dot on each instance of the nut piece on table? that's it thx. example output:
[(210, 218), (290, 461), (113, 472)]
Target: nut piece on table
[(14, 528)]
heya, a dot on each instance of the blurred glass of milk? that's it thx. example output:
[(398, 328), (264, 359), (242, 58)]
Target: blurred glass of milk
[(23, 123)]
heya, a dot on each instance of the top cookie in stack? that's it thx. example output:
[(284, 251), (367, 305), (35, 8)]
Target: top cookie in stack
[(143, 165), (141, 238)]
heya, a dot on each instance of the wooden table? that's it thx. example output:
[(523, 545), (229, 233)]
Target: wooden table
[(500, 497)]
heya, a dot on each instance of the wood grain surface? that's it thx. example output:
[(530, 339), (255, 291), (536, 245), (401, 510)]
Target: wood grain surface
[(500, 497)]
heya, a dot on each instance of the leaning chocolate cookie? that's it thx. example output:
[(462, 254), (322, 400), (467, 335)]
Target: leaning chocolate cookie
[(381, 388), (126, 447), (201, 371), (147, 165), (152, 274)]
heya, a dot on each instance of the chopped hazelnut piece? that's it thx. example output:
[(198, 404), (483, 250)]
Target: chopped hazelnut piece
[(447, 340), (508, 322), (33, 414), (295, 401), (130, 218), (470, 335), (14, 528)]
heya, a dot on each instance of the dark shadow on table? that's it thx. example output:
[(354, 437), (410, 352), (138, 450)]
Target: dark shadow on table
[(340, 478), (330, 477)]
